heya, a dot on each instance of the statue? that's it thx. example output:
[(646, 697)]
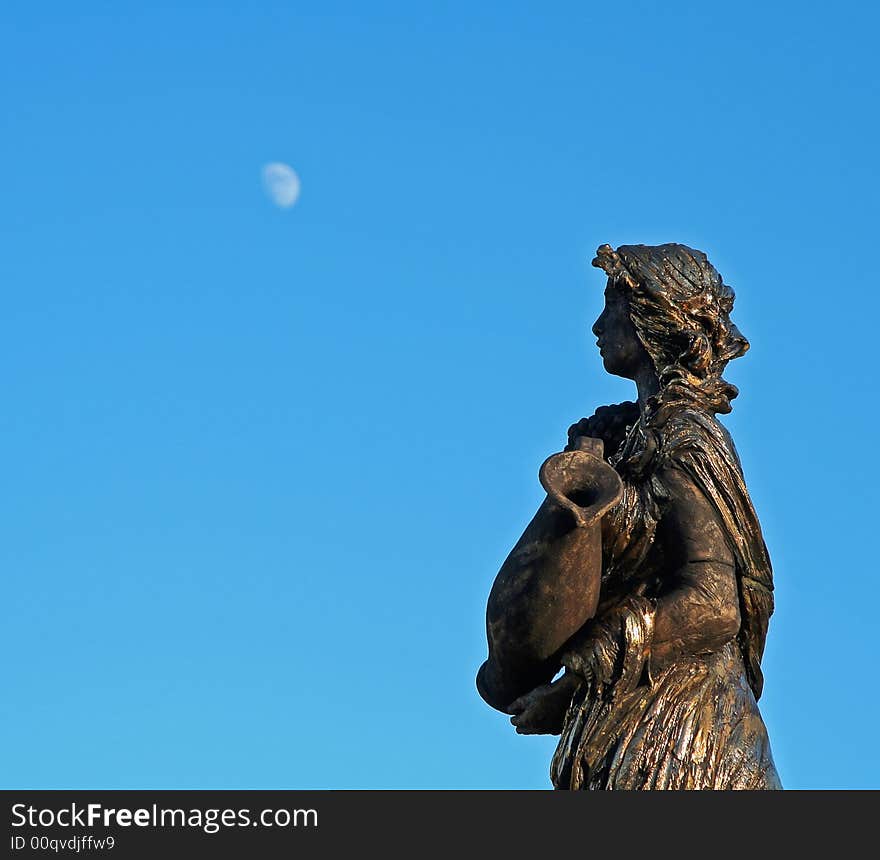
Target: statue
[(631, 616)]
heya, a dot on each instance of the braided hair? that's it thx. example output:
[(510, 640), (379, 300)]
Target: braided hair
[(680, 308)]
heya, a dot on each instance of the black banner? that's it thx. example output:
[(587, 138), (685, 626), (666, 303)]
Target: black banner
[(266, 824)]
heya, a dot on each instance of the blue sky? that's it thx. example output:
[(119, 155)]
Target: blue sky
[(262, 465)]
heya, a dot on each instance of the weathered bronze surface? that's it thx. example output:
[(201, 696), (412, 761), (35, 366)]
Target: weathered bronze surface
[(644, 578)]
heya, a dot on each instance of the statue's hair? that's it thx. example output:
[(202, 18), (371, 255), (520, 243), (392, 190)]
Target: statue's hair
[(680, 308)]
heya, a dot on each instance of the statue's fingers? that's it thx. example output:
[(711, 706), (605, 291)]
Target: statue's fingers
[(518, 723), (524, 726)]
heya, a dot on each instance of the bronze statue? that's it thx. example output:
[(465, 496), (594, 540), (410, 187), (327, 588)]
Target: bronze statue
[(644, 578)]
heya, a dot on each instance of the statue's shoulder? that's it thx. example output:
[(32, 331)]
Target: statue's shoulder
[(608, 423), (690, 435), (685, 426)]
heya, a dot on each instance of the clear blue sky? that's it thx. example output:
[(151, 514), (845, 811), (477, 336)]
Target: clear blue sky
[(260, 466)]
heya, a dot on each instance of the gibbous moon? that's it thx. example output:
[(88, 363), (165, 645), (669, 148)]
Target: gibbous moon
[(281, 184)]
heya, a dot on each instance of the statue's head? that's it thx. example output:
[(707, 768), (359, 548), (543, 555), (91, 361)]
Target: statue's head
[(667, 305)]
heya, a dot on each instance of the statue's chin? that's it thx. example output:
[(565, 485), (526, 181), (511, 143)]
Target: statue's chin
[(616, 369)]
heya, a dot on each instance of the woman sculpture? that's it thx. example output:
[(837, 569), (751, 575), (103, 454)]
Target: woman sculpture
[(660, 684)]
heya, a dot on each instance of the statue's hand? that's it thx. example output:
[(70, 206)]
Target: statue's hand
[(542, 711), (584, 427)]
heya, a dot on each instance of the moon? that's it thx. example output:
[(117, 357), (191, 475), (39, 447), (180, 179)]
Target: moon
[(281, 184)]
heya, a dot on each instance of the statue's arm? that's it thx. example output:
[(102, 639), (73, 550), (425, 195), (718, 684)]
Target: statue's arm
[(697, 610)]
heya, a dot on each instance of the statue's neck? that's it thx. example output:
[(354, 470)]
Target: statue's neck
[(647, 385)]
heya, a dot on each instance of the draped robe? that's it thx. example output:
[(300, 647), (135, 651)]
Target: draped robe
[(694, 723)]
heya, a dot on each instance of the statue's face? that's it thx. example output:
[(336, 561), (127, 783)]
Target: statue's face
[(621, 350)]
